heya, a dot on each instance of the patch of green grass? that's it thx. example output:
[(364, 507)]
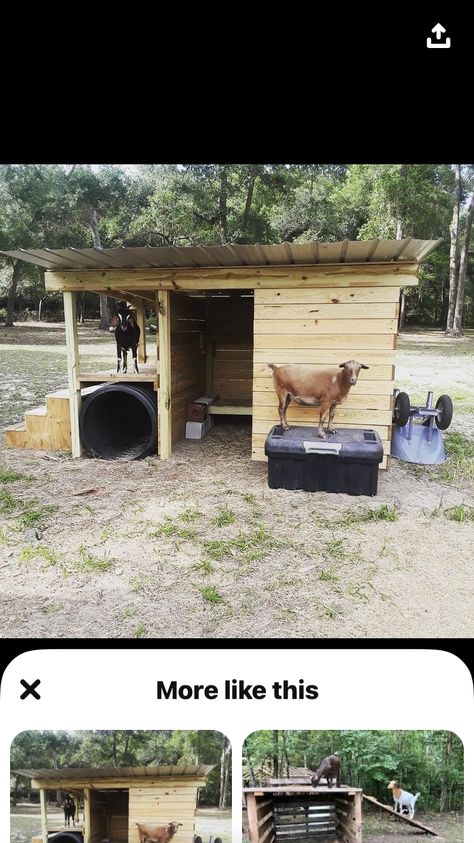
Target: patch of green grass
[(249, 497), (246, 547), (140, 631), (3, 536), (88, 562), (129, 612), (34, 515), (210, 593), (106, 534), (47, 553), (189, 515), (8, 503), (8, 476), (335, 550), (225, 517), (357, 591), (461, 512), (139, 583), (170, 530), (328, 576), (459, 467), (206, 567)]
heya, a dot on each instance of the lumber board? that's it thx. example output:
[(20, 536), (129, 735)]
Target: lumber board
[(366, 312), (164, 392), (73, 371), (404, 817), (327, 295), (357, 399), (363, 387), (345, 343), (247, 277), (324, 327)]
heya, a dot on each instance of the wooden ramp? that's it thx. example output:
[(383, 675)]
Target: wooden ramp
[(405, 817)]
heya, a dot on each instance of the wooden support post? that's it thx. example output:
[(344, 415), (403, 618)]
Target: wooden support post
[(252, 817), (73, 370), (210, 366), (140, 305), (164, 340), (87, 815), (44, 815), (358, 816)]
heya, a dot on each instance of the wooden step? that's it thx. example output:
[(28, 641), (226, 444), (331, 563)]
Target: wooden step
[(16, 435), (37, 429)]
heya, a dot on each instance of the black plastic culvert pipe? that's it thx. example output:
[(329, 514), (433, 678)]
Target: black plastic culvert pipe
[(119, 421), (63, 836)]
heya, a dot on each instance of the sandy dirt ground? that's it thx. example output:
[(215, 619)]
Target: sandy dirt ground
[(199, 546)]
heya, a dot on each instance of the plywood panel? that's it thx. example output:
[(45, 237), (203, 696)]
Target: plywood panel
[(161, 806)]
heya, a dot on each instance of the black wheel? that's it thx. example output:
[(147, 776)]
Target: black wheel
[(197, 839), (401, 409), (444, 405)]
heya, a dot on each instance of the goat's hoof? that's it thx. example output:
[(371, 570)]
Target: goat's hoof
[(285, 426), (332, 431), (322, 435)]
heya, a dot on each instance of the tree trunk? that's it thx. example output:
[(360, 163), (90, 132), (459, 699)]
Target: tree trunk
[(40, 307), (12, 295), (445, 783), (457, 324), (275, 754), (401, 313), (224, 777), (248, 200), (104, 310), (453, 268), (223, 203), (285, 755), (249, 765)]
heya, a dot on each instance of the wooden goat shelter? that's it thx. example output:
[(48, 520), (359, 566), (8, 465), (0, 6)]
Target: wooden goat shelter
[(223, 312), (301, 813), (110, 801)]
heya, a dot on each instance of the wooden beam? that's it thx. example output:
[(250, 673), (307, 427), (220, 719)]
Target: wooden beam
[(73, 370), (404, 817), (164, 340), (141, 324), (44, 816), (87, 815), (243, 277), (252, 818)]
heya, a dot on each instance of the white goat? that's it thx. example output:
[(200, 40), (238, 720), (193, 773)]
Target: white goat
[(403, 799)]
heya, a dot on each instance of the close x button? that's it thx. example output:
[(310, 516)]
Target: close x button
[(30, 689)]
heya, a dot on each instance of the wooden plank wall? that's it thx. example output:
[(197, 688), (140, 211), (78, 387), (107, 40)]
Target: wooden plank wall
[(161, 805), (325, 326), (230, 326), (188, 359)]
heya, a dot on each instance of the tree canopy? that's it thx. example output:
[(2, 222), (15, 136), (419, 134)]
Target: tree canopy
[(125, 748), (430, 762), (160, 205)]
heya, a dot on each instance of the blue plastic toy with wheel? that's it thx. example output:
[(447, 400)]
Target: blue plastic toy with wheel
[(420, 443)]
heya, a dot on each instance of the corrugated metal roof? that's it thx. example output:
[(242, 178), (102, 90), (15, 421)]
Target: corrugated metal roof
[(283, 254), (76, 773)]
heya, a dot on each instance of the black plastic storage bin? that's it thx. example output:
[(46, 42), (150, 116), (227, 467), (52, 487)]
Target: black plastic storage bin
[(347, 461)]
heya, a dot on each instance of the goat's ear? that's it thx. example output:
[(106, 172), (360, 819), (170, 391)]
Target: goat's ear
[(363, 366)]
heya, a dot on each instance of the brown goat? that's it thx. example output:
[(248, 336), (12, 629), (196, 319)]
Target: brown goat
[(312, 388), (330, 767), (157, 833)]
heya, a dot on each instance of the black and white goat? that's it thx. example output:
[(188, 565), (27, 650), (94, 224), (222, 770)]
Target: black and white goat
[(127, 335)]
